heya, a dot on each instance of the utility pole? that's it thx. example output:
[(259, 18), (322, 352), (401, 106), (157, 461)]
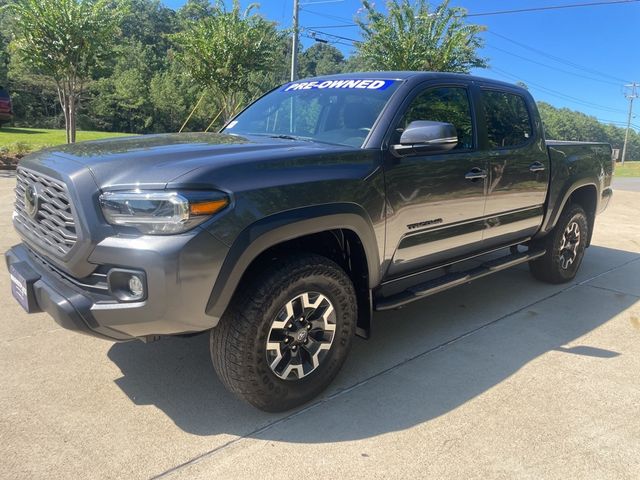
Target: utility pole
[(631, 96), (294, 43)]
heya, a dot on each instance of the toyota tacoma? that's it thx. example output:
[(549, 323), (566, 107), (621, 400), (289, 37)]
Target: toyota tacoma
[(323, 201)]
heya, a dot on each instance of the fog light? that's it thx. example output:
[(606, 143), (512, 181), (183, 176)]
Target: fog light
[(127, 285), (135, 286)]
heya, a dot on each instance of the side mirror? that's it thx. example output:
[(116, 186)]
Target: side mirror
[(424, 136)]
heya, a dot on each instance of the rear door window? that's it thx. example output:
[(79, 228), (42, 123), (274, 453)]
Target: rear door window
[(507, 118)]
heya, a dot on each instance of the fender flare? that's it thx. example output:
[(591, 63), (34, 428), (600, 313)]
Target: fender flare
[(275, 229), (553, 213)]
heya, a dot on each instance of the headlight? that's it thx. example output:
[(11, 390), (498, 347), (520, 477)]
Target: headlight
[(161, 212)]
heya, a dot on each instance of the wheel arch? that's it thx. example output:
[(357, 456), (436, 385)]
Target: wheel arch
[(584, 193), (323, 229), (587, 197)]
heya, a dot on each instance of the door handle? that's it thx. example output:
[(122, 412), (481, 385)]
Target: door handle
[(476, 173), (536, 167)]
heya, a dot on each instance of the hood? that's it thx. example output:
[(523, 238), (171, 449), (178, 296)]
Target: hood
[(153, 161)]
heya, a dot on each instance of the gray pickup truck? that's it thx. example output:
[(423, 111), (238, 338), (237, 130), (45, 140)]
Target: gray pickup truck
[(325, 200)]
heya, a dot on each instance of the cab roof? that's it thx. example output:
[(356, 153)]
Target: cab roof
[(413, 75)]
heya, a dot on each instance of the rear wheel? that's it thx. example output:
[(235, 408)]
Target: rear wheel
[(565, 246), (286, 333)]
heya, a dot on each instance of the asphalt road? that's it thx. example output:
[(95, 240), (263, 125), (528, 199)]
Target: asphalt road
[(502, 378)]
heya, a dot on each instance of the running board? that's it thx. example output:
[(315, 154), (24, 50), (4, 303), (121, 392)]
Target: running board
[(450, 280)]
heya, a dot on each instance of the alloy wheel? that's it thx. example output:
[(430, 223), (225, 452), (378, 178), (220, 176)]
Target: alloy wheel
[(569, 245), (301, 335)]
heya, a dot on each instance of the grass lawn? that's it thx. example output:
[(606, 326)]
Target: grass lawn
[(629, 169), (18, 141)]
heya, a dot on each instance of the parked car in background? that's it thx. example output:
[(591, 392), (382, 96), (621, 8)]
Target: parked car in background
[(6, 109)]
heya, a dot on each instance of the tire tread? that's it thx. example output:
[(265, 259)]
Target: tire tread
[(545, 268), (232, 354)]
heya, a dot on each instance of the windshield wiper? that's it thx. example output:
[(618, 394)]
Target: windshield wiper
[(290, 137), (277, 135)]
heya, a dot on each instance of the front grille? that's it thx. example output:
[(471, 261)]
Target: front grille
[(52, 225)]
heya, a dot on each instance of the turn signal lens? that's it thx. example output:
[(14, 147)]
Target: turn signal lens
[(209, 207)]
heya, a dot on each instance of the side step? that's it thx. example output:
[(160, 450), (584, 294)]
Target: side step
[(450, 280)]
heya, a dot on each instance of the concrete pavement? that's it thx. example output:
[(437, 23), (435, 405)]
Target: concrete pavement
[(629, 184), (502, 378)]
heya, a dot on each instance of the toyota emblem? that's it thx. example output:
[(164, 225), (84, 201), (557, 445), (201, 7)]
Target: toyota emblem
[(31, 200)]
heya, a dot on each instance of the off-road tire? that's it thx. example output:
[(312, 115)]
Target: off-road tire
[(549, 268), (238, 344)]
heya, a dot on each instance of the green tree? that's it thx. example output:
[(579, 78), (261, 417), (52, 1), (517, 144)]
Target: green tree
[(166, 93), (121, 100), (34, 98), (124, 94), (149, 23), (566, 124), (194, 10), (172, 94), (225, 51), (4, 43), (413, 36), (355, 63), (321, 59), (64, 40)]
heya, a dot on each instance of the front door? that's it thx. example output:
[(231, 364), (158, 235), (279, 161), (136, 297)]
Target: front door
[(436, 201)]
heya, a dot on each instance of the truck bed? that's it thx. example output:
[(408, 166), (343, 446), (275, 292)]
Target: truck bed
[(578, 163)]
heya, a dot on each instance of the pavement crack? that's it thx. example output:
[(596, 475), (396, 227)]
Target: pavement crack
[(341, 392), (613, 290), (601, 274)]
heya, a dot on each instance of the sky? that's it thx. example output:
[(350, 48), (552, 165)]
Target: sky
[(579, 58)]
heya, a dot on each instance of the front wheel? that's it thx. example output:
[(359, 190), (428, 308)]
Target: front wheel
[(565, 246), (286, 333)]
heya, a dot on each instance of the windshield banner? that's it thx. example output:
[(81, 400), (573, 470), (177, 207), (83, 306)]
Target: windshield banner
[(369, 84)]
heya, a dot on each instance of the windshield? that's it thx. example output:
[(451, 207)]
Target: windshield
[(332, 111)]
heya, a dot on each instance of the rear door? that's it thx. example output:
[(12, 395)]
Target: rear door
[(435, 207), (518, 165)]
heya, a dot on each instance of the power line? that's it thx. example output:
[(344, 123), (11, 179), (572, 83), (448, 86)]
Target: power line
[(349, 23), (335, 26), (339, 37), (340, 40), (323, 40), (354, 41), (320, 2), (616, 123), (610, 121), (557, 93), (557, 59), (552, 67), (332, 17), (550, 7), (522, 45)]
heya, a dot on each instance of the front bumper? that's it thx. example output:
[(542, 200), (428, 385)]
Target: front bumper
[(180, 273)]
